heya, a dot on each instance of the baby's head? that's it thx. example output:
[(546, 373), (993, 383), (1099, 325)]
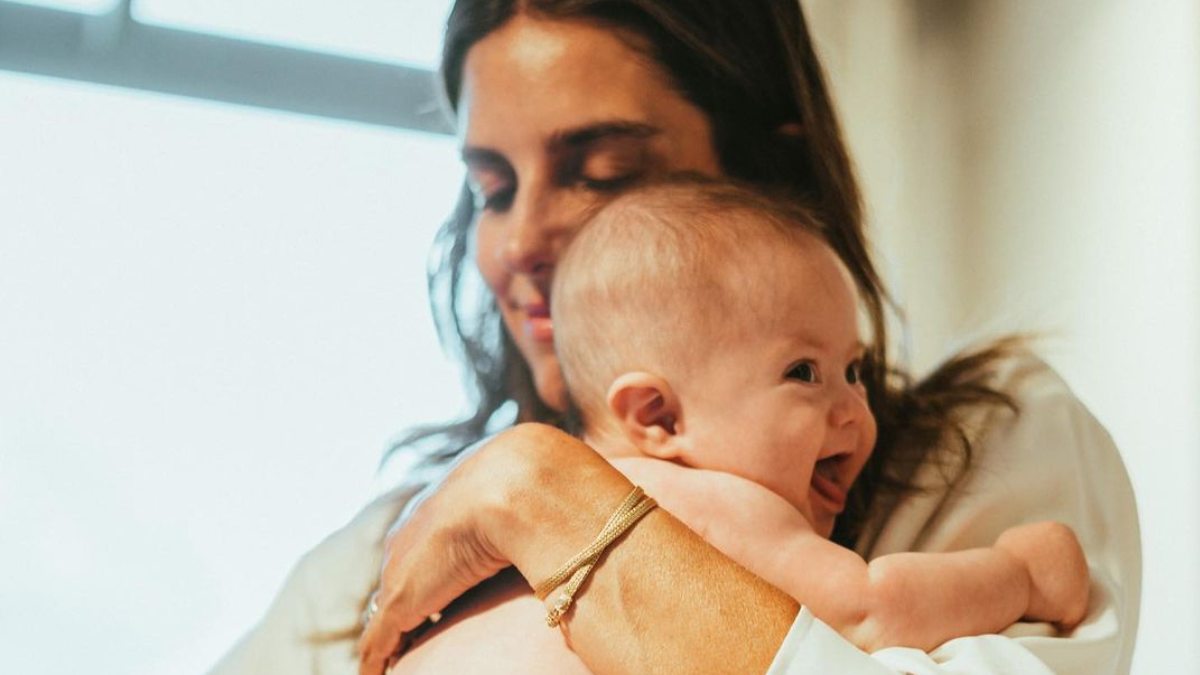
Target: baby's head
[(705, 323)]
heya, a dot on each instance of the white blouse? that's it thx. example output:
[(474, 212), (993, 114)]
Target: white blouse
[(1053, 461)]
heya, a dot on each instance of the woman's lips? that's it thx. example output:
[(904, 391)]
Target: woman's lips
[(538, 324)]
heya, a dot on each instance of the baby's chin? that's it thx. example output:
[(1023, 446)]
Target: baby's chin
[(825, 529), (822, 523)]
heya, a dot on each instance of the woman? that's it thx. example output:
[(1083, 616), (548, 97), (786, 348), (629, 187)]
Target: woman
[(561, 104)]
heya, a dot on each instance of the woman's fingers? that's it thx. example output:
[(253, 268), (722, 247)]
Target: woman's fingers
[(435, 555), (380, 643), (531, 496), (383, 637)]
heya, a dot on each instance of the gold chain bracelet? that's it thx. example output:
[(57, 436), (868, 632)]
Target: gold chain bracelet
[(576, 570)]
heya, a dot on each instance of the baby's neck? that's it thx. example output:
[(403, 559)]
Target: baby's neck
[(609, 444)]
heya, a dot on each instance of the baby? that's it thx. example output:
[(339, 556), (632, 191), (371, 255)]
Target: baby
[(709, 340)]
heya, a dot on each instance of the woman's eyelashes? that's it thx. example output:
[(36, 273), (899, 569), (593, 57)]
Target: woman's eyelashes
[(499, 200), (609, 168), (612, 184), (491, 193), (605, 171)]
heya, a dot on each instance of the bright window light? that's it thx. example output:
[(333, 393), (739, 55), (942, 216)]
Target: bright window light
[(408, 31), (214, 321)]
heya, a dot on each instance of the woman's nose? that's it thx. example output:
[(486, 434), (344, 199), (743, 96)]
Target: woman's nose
[(536, 234)]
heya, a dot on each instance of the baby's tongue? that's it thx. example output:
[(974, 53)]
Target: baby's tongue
[(825, 480)]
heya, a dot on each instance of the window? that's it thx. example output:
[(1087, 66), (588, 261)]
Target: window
[(407, 31), (214, 322), (83, 6)]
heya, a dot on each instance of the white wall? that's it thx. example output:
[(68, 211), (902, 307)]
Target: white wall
[(1082, 164), (1036, 165)]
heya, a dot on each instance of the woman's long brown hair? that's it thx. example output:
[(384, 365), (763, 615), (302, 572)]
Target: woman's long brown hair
[(751, 67)]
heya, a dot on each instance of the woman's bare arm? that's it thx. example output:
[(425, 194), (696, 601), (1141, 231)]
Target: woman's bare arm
[(661, 600)]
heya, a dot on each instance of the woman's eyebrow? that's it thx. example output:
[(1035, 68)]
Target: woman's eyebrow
[(590, 133), (567, 139)]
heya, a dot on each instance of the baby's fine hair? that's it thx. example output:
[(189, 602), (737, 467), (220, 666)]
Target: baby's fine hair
[(651, 278)]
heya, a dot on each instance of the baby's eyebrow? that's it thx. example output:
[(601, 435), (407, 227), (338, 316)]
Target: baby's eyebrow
[(859, 349)]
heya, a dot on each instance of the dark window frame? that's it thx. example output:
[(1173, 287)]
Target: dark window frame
[(116, 50)]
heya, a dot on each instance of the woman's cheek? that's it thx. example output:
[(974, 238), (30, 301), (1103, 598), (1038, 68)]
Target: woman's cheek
[(487, 257)]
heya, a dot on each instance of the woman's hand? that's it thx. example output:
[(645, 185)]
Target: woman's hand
[(533, 497), (413, 584), (484, 516)]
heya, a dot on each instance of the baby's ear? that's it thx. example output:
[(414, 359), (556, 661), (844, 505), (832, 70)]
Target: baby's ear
[(648, 412)]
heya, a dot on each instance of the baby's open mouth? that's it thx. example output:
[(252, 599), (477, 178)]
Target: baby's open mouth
[(827, 482)]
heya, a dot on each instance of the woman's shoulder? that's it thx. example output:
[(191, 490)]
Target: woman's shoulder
[(358, 544), (1048, 428), (1026, 376), (1046, 458), (314, 621), (360, 538), (335, 577), (1049, 459)]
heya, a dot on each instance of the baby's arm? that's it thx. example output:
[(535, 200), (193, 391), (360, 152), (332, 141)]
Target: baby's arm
[(921, 600), (1058, 571)]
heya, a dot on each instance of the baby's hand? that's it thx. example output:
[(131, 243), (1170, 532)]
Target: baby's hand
[(743, 519), (1058, 571)]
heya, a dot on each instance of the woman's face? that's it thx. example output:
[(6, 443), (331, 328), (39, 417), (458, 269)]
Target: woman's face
[(555, 118)]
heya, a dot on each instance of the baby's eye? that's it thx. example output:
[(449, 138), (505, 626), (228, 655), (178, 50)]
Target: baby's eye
[(804, 371), (854, 373)]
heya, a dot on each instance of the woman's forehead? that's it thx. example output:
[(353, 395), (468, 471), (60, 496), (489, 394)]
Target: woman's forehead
[(545, 77)]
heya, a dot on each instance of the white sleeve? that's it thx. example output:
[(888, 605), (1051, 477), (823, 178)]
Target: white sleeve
[(812, 647), (312, 627), (1052, 461)]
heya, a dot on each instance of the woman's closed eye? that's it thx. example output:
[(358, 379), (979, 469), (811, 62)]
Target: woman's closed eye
[(491, 190), (610, 171), (612, 184), (607, 165), (492, 200), (490, 178)]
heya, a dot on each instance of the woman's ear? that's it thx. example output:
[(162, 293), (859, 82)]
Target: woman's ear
[(648, 412)]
